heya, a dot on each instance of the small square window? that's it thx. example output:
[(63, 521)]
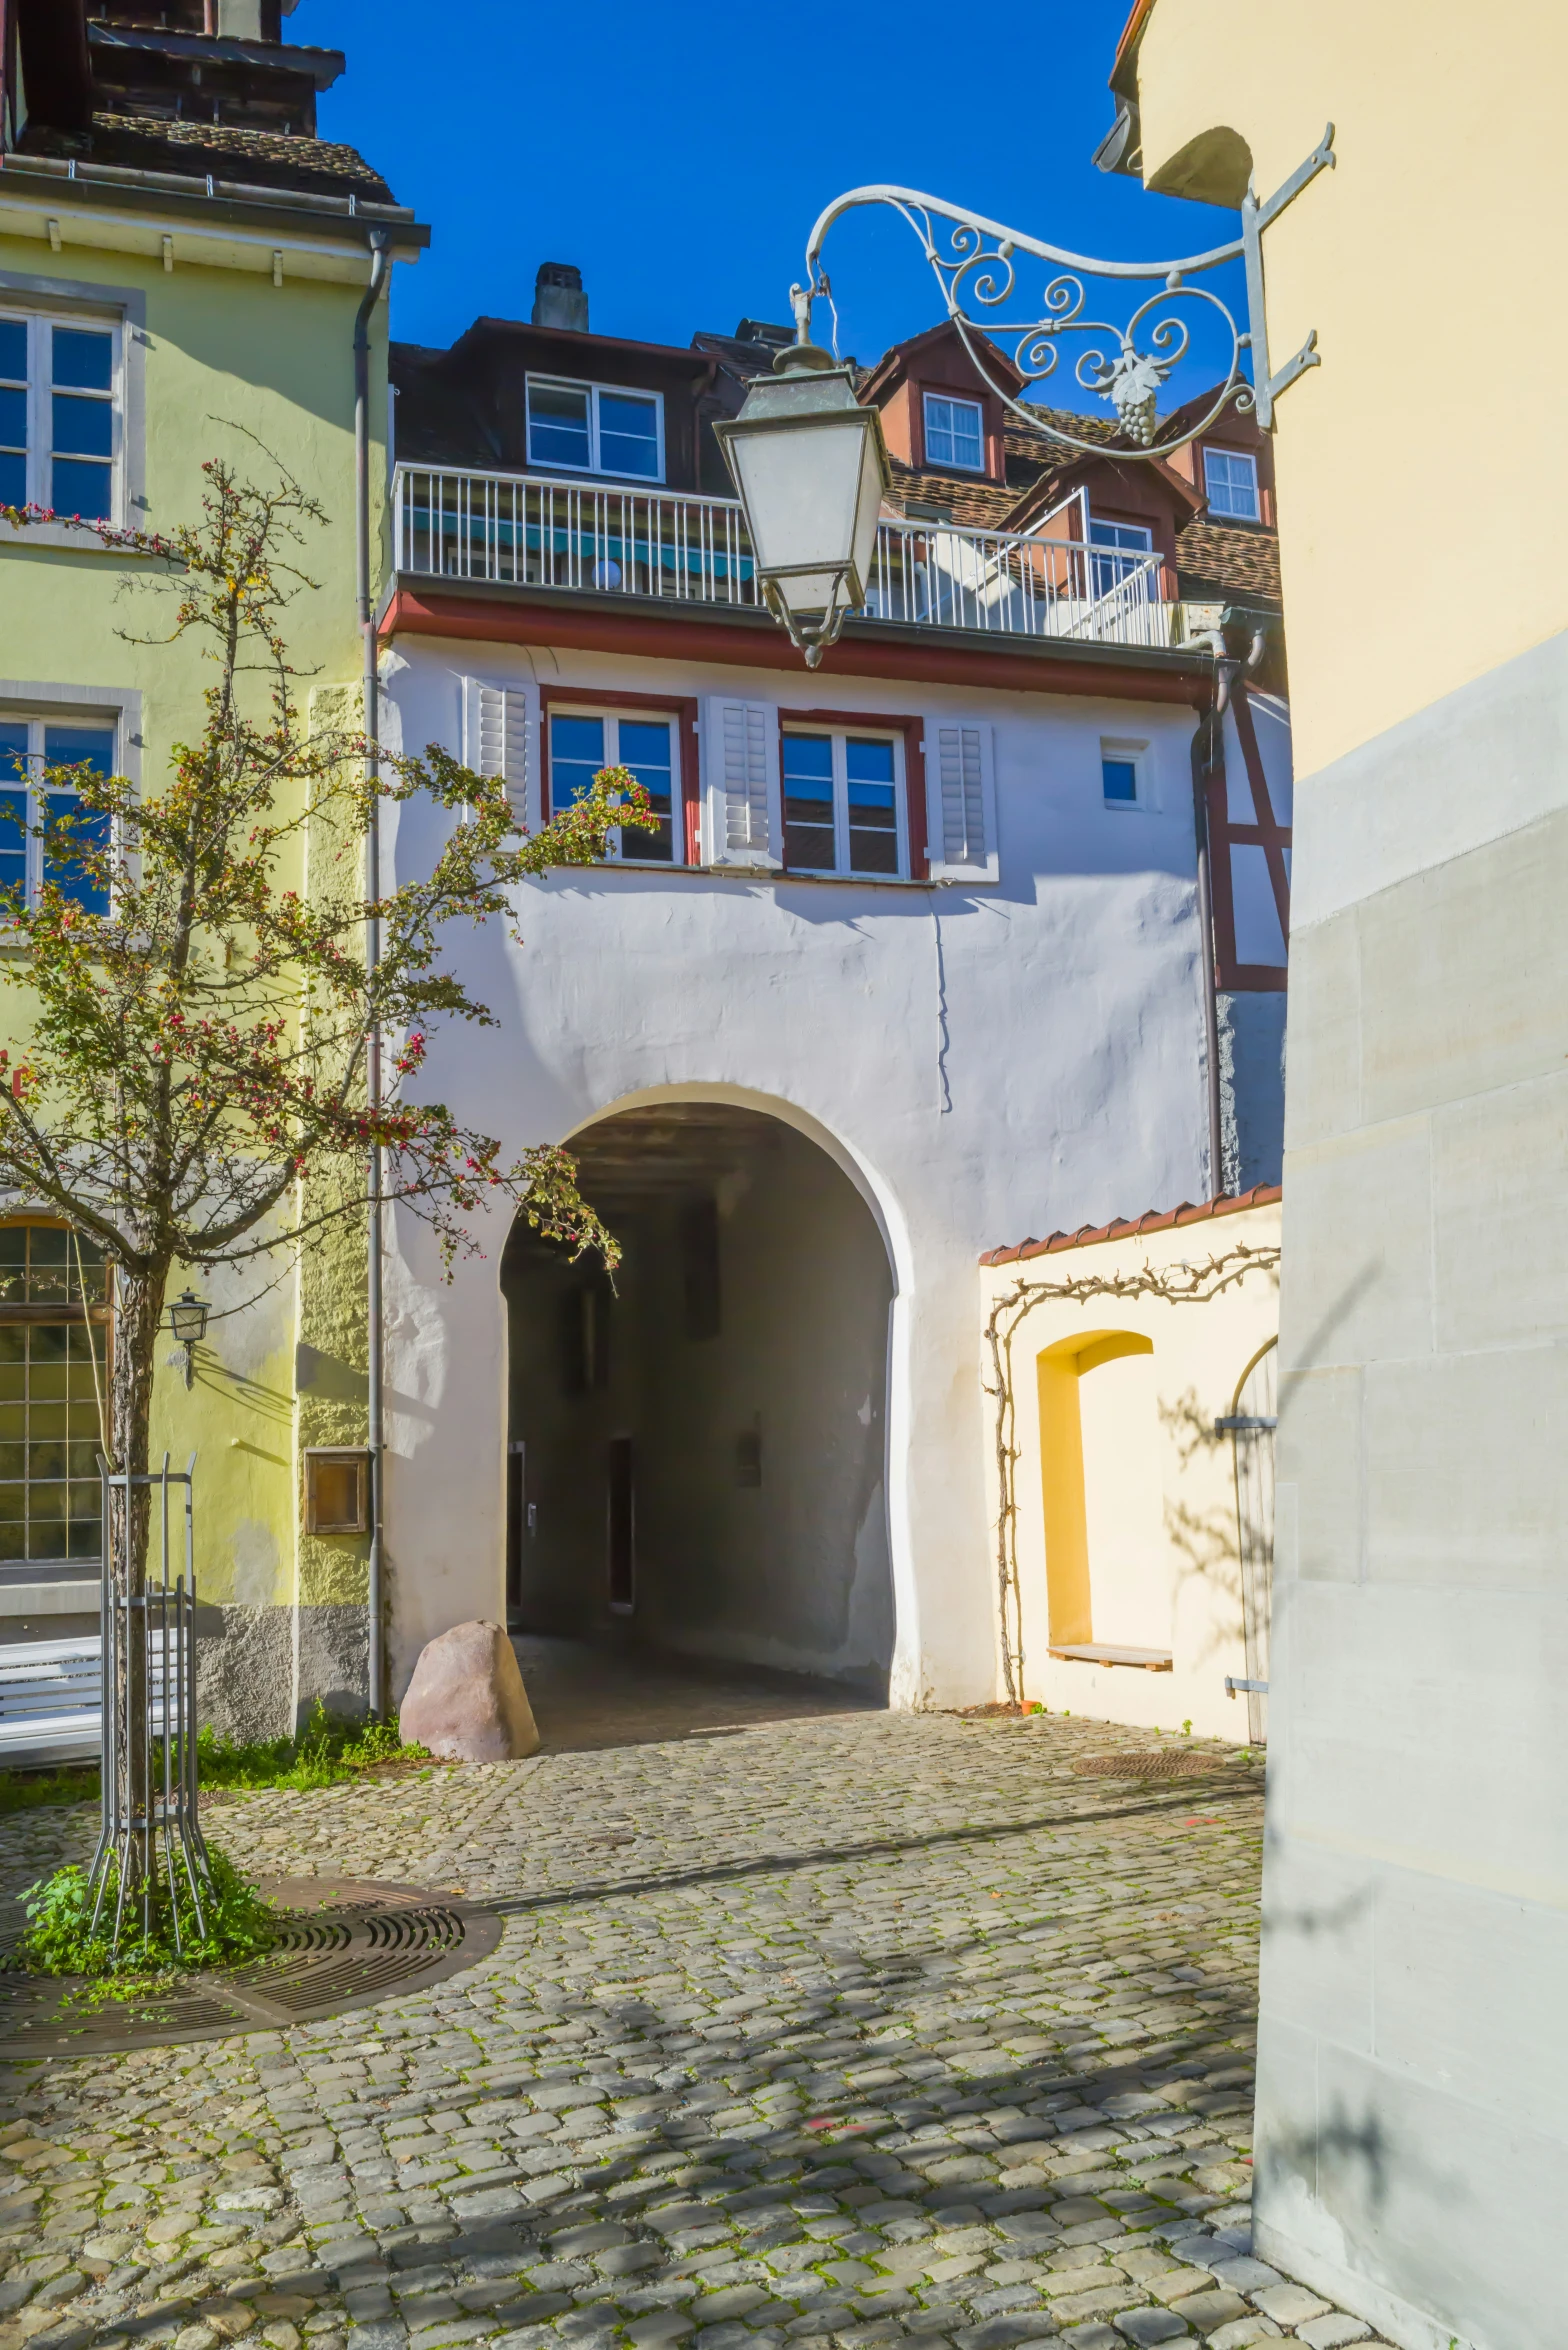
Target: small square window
[(1230, 477), (1122, 780), (337, 1492), (954, 433)]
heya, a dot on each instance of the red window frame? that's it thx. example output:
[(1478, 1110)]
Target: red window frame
[(912, 732), (681, 707)]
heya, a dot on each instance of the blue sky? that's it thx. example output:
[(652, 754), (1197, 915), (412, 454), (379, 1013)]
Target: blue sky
[(678, 153)]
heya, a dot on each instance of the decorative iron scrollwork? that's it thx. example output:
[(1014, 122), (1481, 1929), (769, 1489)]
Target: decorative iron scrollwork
[(1127, 366)]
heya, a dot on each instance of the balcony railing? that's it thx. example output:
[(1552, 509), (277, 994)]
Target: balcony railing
[(523, 530)]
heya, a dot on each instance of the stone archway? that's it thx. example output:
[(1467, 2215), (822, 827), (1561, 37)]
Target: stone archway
[(697, 1455)]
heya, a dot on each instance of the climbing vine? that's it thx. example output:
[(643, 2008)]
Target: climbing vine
[(1183, 1284)]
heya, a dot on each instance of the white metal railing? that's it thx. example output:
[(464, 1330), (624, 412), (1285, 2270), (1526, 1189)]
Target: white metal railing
[(527, 530)]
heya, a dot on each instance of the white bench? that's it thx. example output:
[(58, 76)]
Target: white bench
[(51, 1700)]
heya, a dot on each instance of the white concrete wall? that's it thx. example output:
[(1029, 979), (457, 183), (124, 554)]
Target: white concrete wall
[(983, 1062)]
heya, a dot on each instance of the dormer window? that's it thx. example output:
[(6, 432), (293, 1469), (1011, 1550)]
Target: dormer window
[(1230, 477), (955, 433), (595, 428)]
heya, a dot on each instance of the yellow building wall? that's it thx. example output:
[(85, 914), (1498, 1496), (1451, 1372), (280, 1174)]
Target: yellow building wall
[(260, 375), (1421, 532), (1126, 1527)]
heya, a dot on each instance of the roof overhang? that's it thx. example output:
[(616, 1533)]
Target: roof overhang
[(217, 224), (475, 611), (321, 66)]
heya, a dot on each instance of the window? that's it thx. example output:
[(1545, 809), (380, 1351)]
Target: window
[(30, 748), (580, 746), (1121, 774), (954, 433), (841, 803), (53, 1368), (59, 415), (1231, 479), (593, 428), (1126, 545), (337, 1491)]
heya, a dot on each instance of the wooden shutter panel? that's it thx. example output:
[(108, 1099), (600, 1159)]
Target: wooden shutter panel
[(498, 739), (962, 800), (742, 821)]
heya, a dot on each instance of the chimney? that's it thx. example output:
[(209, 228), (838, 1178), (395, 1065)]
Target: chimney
[(559, 299)]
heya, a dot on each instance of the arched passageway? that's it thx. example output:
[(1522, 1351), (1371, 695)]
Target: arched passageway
[(697, 1456)]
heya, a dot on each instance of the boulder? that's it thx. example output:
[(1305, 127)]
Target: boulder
[(466, 1701)]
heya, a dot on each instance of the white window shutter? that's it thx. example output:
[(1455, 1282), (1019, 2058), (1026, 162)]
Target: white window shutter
[(498, 733), (961, 801), (742, 818)]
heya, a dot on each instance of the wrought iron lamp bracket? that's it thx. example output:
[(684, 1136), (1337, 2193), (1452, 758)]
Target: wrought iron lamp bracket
[(979, 269)]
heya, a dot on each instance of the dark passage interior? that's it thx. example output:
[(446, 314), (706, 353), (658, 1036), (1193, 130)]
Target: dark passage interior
[(696, 1455)]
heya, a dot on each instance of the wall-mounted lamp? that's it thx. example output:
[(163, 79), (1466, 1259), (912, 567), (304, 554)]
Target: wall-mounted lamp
[(188, 1321)]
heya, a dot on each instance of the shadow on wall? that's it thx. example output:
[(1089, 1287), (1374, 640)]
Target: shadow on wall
[(696, 1453)]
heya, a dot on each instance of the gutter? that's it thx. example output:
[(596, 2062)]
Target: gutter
[(203, 196)]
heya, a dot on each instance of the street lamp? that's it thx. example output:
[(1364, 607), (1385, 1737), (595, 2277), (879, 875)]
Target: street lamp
[(188, 1321), (811, 468)]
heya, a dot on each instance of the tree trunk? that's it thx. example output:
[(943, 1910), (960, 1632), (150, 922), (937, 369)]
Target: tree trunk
[(138, 1312)]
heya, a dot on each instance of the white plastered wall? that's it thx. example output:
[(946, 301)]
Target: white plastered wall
[(980, 1059)]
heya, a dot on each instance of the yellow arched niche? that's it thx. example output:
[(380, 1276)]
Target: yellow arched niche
[(1058, 1370)]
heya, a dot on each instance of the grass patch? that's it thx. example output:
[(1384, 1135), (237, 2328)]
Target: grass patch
[(61, 1939), (325, 1752)]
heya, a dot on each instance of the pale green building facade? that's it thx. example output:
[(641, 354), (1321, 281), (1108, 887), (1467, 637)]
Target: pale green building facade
[(174, 288)]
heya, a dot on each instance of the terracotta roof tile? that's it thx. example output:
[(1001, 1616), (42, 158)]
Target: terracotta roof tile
[(1219, 560), (271, 159), (1262, 1195)]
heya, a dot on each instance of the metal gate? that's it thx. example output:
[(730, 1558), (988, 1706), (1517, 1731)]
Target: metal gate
[(1250, 1424)]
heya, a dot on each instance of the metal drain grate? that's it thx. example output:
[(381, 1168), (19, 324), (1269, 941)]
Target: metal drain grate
[(372, 1941), (1169, 1764)]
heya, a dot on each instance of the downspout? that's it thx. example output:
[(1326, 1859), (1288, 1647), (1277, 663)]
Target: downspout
[(1208, 724), (1206, 742), (371, 719)]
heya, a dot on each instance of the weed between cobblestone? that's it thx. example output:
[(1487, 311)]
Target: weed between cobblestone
[(875, 2030)]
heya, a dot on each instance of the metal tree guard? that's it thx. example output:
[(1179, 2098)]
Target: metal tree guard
[(149, 1711)]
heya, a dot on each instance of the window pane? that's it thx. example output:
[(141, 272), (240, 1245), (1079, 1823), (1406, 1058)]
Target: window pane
[(70, 833), (13, 843), (873, 812), (808, 803), (80, 488), (13, 480), (82, 428), (628, 435), (576, 756), (84, 358), (558, 426), (645, 749), (13, 350), (13, 419), (1231, 480), (953, 435), (1119, 778), (80, 746)]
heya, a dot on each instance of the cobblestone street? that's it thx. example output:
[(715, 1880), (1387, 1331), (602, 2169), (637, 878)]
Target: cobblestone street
[(805, 2033)]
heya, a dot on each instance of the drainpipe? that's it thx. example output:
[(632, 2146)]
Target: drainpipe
[(1207, 748), (379, 272)]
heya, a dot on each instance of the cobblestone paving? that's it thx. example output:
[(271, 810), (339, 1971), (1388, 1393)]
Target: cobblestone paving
[(813, 2035)]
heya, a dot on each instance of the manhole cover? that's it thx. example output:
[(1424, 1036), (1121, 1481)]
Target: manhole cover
[(345, 1944), (1169, 1764)]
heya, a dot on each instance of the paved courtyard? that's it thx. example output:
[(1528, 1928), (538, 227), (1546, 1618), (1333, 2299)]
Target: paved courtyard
[(810, 2029)]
